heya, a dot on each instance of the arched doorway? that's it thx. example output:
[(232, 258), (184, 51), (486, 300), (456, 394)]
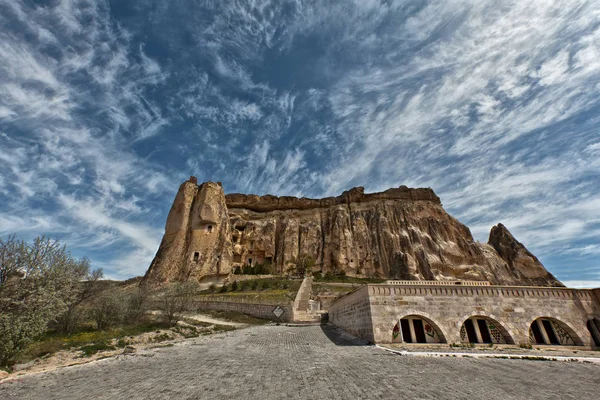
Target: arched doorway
[(593, 326), (550, 331), (482, 329), (417, 329)]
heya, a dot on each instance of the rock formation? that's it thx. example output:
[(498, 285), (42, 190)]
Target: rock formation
[(400, 233), (197, 236)]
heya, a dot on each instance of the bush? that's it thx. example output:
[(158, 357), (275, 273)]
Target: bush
[(302, 264), (212, 288), (109, 309), (223, 289), (137, 303), (234, 286), (38, 282), (176, 300)]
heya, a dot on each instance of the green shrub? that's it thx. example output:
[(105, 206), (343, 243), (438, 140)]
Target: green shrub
[(109, 309), (223, 289), (234, 286), (94, 348)]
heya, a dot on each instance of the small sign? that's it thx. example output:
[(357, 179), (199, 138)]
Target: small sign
[(278, 311)]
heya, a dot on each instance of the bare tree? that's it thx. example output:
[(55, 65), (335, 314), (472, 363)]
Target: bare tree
[(176, 300), (85, 284), (137, 303)]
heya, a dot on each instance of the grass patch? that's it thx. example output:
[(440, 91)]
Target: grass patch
[(88, 339), (325, 288), (279, 288), (94, 348), (223, 328), (163, 337)]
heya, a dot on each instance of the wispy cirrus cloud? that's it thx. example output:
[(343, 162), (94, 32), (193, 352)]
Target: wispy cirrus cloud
[(73, 100), (106, 107)]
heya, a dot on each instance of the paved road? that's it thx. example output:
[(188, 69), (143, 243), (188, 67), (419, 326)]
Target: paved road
[(271, 362)]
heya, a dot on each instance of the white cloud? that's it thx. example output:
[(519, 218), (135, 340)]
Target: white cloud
[(64, 138), (492, 106), (578, 284)]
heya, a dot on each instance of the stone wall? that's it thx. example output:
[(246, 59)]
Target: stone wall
[(447, 307), (255, 309), (352, 313)]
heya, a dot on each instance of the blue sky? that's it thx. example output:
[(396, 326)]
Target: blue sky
[(106, 107)]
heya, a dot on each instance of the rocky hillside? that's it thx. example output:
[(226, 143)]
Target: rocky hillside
[(400, 233)]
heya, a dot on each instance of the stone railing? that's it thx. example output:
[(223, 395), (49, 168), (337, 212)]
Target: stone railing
[(490, 291), (438, 283)]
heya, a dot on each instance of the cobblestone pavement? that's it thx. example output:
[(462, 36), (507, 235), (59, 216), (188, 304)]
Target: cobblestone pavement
[(278, 362)]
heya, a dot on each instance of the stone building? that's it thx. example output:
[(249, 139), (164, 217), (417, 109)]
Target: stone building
[(470, 312)]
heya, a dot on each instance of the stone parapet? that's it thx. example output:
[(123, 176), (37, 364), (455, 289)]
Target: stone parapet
[(439, 283)]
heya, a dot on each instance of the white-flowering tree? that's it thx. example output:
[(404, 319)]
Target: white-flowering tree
[(39, 283)]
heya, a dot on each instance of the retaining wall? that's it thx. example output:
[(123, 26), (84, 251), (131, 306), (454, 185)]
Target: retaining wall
[(352, 313), (258, 309)]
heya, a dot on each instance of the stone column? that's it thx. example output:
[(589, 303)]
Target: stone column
[(477, 331), (543, 331), (412, 330), (594, 324)]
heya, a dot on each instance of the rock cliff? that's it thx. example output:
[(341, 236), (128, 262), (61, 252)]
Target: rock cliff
[(197, 239), (401, 233)]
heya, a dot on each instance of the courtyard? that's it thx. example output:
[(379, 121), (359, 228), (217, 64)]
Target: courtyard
[(313, 362)]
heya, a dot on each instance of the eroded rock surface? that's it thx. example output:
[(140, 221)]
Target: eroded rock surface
[(522, 264), (197, 236), (400, 233)]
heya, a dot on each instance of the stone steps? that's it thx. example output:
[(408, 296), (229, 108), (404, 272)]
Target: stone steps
[(301, 303)]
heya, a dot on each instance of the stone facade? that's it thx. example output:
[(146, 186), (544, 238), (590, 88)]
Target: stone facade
[(373, 311)]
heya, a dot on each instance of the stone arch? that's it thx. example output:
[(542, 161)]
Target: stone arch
[(554, 331), (490, 331), (432, 331), (593, 325)]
